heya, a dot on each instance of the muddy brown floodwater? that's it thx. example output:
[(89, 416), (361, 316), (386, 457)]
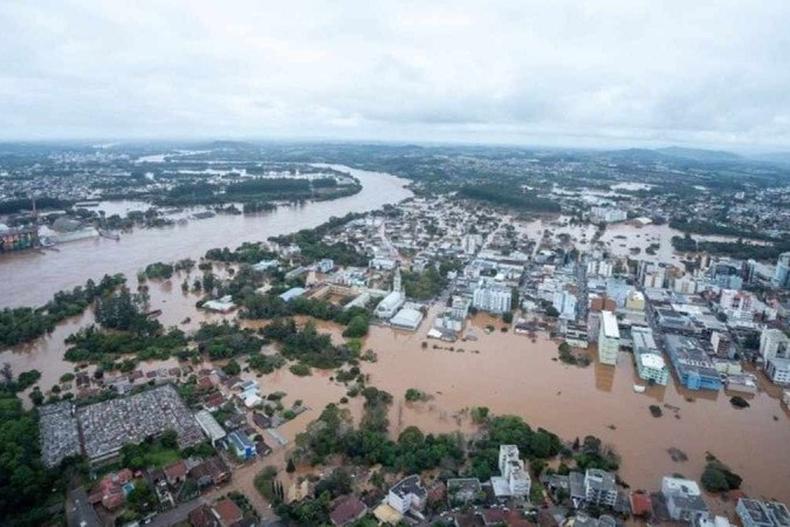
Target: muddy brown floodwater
[(512, 375), (506, 372)]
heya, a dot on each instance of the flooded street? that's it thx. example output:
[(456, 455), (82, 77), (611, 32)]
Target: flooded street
[(512, 375), (31, 278)]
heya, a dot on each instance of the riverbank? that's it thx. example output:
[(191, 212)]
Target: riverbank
[(31, 278)]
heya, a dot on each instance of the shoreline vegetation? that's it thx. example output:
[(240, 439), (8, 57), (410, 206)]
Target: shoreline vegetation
[(25, 324)]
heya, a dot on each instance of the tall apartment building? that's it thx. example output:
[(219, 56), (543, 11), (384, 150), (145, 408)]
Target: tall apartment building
[(492, 298), (782, 273), (650, 364), (608, 339), (514, 480), (773, 343)]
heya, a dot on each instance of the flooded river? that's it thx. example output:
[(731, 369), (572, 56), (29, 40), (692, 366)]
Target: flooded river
[(31, 278)]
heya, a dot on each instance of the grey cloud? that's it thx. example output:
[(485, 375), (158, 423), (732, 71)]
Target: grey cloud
[(713, 73)]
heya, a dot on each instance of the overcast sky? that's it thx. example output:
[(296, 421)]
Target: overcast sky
[(599, 72)]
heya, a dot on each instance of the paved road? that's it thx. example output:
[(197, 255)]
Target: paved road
[(179, 514)]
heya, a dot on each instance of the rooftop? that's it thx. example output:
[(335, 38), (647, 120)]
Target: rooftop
[(609, 325)]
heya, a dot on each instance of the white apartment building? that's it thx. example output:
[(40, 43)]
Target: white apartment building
[(565, 303), (492, 298), (608, 339), (774, 342), (514, 480)]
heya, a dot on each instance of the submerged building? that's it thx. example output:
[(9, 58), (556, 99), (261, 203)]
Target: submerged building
[(694, 369), (650, 364)]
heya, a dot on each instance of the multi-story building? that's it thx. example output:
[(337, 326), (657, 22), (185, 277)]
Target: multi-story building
[(635, 301), (514, 480), (608, 339), (651, 274), (601, 268), (492, 298), (472, 242), (753, 513), (17, 238), (683, 498), (778, 370), (565, 304), (599, 487), (782, 273), (773, 343), (407, 494), (650, 365), (685, 285), (721, 343), (692, 365)]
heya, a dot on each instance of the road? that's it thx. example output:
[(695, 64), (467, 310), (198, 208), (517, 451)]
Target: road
[(179, 514)]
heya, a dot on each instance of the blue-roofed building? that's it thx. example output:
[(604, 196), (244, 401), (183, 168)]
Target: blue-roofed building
[(241, 445), (694, 369)]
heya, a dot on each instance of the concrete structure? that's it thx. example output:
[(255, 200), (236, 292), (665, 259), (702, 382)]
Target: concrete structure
[(685, 285), (607, 215), (292, 293), (492, 298), (608, 339), (17, 238), (408, 494), (264, 265), (514, 480), (241, 445), (773, 343), (651, 274), (782, 273), (325, 265), (692, 365), (635, 301), (59, 433), (599, 487), (721, 343), (650, 365), (778, 370), (779, 513), (222, 305), (391, 303), (407, 318), (601, 268), (753, 513), (210, 426), (683, 498), (565, 303)]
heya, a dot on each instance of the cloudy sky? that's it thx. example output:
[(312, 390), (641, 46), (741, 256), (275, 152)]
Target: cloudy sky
[(602, 72)]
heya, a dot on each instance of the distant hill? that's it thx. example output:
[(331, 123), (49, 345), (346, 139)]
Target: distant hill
[(699, 154), (782, 158)]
